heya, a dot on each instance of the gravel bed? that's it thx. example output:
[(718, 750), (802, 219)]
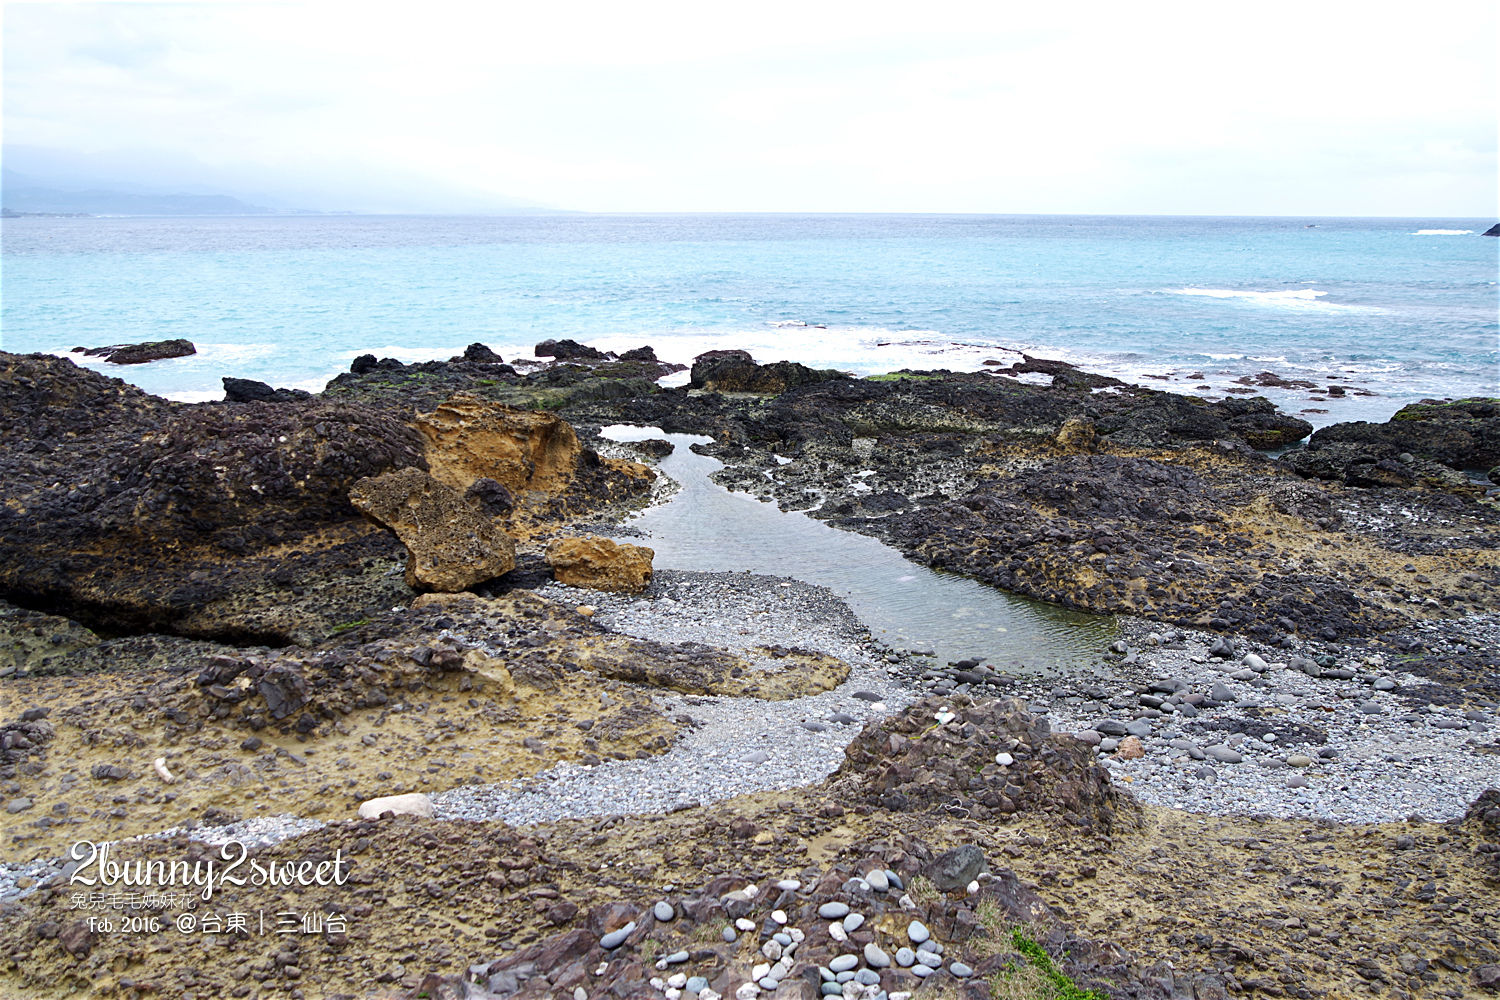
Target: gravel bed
[(1360, 750), (735, 745)]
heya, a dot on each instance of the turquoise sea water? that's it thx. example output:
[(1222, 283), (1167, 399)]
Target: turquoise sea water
[(1202, 301)]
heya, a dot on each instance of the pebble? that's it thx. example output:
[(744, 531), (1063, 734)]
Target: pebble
[(833, 910), (779, 916), (853, 922), (663, 911), (922, 971), (905, 957), (1223, 754), (960, 970), (917, 932), (789, 885), (875, 958), (729, 936), (616, 938), (878, 881), (744, 924), (843, 963), (1004, 759), (695, 984)]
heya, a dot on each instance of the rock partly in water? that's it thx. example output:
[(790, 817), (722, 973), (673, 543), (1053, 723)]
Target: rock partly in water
[(139, 354), (569, 350), (451, 543)]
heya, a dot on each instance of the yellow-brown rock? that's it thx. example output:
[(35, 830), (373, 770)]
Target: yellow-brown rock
[(450, 543), (600, 564), (468, 438)]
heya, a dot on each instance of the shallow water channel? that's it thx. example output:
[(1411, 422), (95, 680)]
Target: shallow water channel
[(706, 527)]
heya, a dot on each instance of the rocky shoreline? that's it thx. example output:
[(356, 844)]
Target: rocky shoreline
[(1304, 692)]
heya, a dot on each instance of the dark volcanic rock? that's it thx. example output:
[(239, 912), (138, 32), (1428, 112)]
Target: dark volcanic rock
[(244, 390), (1461, 434), (569, 350), (1493, 230), (481, 354), (736, 371), (138, 354), (133, 512)]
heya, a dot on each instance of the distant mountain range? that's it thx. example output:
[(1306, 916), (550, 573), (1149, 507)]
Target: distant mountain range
[(21, 194), (37, 180)]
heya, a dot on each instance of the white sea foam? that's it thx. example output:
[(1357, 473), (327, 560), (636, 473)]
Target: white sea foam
[(863, 350), (1308, 299), (406, 355), (1444, 232)]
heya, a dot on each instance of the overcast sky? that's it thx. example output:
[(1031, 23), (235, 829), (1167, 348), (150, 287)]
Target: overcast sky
[(1247, 108)]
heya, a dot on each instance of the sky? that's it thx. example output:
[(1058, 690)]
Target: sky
[(1309, 108)]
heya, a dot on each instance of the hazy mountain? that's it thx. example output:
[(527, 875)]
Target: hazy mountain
[(144, 182)]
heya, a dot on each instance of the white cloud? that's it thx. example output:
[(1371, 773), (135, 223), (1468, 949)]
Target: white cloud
[(1090, 107)]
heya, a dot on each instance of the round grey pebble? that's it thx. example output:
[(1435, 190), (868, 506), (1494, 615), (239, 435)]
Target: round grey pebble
[(696, 985), (729, 936), (663, 911), (843, 963), (832, 989), (922, 971), (929, 959), (833, 911), (960, 970), (1297, 781), (853, 922), (875, 958), (867, 977), (906, 958), (917, 932), (767, 983), (878, 881)]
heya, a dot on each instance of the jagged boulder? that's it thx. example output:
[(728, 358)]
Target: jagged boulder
[(600, 564), (452, 544), (469, 438)]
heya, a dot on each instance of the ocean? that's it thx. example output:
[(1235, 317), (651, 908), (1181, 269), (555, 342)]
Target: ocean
[(1393, 309)]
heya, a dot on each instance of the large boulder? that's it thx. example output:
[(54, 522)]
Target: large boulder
[(600, 564), (569, 350), (469, 438), (452, 544), (139, 354), (736, 371), (1461, 433), (130, 512)]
